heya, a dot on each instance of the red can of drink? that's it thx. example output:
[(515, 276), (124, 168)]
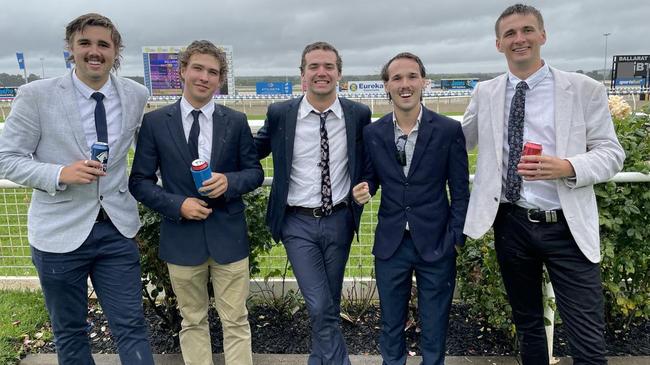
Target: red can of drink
[(532, 148)]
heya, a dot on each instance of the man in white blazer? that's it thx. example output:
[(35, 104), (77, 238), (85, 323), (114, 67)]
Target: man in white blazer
[(82, 220), (543, 208)]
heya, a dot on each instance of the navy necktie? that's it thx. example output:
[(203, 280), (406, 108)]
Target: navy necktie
[(193, 140), (326, 183), (515, 141), (100, 118)]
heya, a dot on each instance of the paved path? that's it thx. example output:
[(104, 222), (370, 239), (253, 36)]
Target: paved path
[(268, 359)]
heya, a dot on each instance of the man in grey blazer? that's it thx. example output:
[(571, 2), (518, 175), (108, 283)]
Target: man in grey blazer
[(82, 220), (543, 208)]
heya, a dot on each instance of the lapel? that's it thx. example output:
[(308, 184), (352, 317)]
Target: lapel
[(68, 99), (497, 106), (219, 127), (387, 134), (563, 112), (175, 126), (350, 119), (124, 96), (290, 132), (424, 136)]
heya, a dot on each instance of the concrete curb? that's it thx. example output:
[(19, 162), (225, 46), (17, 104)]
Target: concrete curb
[(290, 359)]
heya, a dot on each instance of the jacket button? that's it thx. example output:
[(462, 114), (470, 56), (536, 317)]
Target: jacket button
[(408, 209), (101, 197), (496, 199), (406, 184)]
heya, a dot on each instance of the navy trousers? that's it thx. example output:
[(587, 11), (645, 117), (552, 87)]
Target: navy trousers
[(113, 263), (522, 247), (435, 286), (318, 250)]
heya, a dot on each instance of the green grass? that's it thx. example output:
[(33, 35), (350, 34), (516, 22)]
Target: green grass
[(21, 314)]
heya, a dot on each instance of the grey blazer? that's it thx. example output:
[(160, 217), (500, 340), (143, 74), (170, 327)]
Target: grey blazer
[(44, 133), (584, 135)]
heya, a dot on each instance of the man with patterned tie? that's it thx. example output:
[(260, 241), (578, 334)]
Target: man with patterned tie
[(316, 141), (82, 220), (203, 234), (542, 207)]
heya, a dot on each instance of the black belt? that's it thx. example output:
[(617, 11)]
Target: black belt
[(535, 215), (315, 212), (102, 216)]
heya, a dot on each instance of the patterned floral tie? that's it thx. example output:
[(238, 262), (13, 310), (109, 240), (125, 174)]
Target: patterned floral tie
[(325, 181), (515, 141)]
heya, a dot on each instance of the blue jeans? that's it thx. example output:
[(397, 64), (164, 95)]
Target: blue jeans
[(113, 263), (318, 250)]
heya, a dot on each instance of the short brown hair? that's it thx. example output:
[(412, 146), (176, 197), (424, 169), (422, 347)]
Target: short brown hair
[(408, 55), (519, 9), (95, 20), (324, 46), (205, 47)]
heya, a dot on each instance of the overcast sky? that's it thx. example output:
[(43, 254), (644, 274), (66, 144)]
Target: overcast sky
[(268, 36)]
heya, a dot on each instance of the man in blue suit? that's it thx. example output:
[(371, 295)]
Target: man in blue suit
[(317, 157), (414, 154), (203, 232)]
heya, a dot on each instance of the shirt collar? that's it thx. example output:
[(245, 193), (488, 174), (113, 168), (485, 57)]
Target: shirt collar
[(417, 122), (187, 108), (532, 80), (86, 91), (306, 108)]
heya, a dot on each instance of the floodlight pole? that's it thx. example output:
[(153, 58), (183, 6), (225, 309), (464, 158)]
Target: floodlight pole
[(605, 63)]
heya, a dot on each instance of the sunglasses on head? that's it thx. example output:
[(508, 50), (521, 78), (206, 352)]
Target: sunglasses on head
[(400, 145)]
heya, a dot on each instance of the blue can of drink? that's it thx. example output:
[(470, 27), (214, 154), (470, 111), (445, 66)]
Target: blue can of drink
[(200, 172), (99, 152)]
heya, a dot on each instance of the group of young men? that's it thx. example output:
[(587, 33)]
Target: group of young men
[(329, 160)]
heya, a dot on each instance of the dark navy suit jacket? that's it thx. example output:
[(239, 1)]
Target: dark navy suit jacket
[(162, 145), (439, 161), (277, 136)]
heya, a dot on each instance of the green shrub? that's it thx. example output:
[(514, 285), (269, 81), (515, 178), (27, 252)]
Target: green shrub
[(625, 231), (155, 277)]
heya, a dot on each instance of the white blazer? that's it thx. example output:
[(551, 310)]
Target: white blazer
[(584, 135), (43, 133)]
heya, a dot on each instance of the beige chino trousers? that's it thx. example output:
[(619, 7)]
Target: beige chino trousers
[(231, 289)]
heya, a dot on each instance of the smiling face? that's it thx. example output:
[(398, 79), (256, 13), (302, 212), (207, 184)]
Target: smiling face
[(320, 74), (94, 54), (201, 79), (405, 84), (520, 38)]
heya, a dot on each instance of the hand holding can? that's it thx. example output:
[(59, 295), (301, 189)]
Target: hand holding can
[(200, 172)]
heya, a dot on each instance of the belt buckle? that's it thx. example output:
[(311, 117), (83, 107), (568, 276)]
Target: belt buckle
[(551, 216), (530, 219), (317, 212)]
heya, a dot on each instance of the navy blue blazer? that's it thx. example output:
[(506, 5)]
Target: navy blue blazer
[(277, 136), (439, 161), (162, 145)]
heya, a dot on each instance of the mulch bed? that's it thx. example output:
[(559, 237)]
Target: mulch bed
[(272, 335)]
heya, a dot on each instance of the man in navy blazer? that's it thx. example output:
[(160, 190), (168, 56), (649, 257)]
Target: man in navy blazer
[(317, 157), (414, 154), (203, 232)]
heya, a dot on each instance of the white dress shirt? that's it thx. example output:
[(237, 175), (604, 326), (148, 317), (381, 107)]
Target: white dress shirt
[(539, 127), (87, 110), (205, 124), (305, 179)]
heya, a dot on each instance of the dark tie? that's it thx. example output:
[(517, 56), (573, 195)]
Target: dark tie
[(515, 141), (100, 118), (326, 183), (193, 140)]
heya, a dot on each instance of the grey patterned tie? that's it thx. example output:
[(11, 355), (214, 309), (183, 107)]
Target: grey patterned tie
[(515, 141), (326, 183)]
